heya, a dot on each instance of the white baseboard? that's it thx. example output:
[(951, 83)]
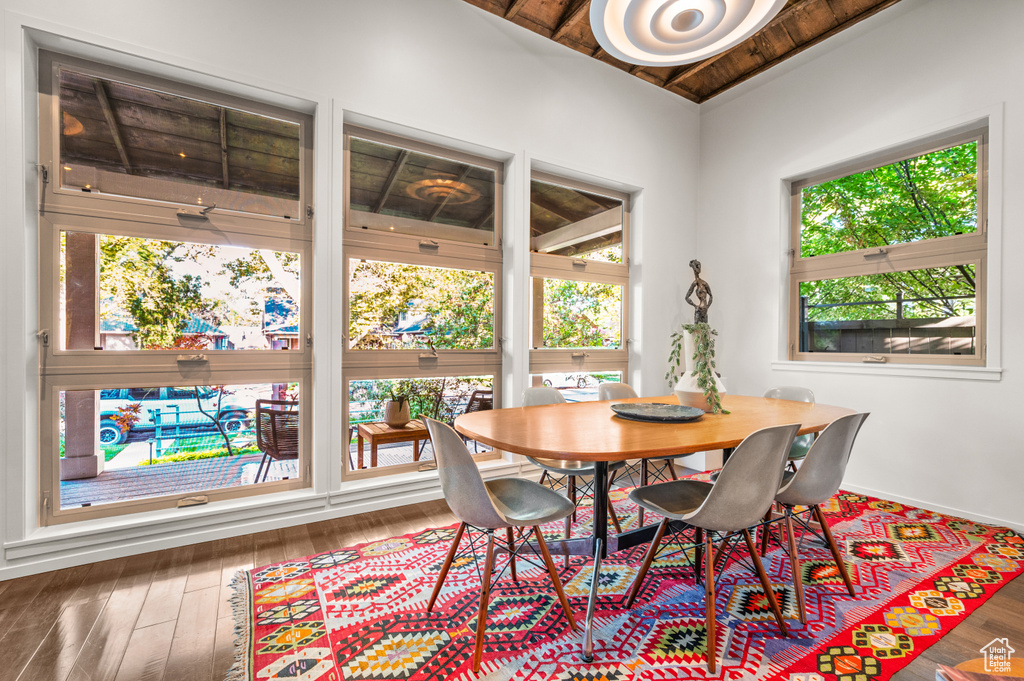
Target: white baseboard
[(938, 508)]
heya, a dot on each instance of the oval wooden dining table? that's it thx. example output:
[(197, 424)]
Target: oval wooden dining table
[(591, 431)]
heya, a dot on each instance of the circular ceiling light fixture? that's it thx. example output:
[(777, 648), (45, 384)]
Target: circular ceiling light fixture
[(671, 32), (437, 189)]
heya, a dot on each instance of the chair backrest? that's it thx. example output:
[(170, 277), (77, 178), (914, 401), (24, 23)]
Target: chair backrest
[(277, 428), (795, 393), (461, 483), (615, 391), (821, 473), (748, 483), (534, 397), (480, 400)]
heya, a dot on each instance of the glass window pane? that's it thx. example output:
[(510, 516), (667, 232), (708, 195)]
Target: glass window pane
[(123, 139), (927, 311), (576, 386), (394, 306), (172, 294), (442, 398), (578, 314), (167, 440), (926, 197), (575, 223), (407, 192)]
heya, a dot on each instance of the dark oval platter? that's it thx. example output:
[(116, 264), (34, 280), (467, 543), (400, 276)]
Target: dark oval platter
[(657, 412)]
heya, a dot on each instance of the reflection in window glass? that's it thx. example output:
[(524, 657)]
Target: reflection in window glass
[(576, 387), (580, 314), (442, 398), (926, 197), (575, 223), (408, 192), (927, 311), (396, 306), (122, 139), (168, 440), (171, 294)]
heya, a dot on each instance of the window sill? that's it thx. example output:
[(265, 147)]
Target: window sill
[(963, 373)]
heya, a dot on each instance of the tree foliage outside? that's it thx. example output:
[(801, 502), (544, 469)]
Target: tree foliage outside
[(456, 306), (927, 197), (582, 314)]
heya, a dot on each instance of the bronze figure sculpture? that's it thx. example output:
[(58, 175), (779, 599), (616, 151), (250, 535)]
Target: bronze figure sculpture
[(704, 297)]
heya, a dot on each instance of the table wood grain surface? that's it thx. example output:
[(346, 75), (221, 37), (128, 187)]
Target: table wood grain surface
[(590, 431)]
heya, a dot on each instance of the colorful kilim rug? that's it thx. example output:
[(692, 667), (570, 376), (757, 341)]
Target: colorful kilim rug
[(360, 612)]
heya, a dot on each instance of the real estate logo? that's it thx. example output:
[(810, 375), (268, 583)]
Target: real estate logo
[(997, 656)]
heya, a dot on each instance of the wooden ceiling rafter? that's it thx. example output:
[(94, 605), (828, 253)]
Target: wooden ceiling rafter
[(800, 25), (224, 147), (115, 129), (389, 183)]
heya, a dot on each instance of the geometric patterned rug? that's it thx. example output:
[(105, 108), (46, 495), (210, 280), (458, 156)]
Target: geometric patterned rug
[(360, 612)]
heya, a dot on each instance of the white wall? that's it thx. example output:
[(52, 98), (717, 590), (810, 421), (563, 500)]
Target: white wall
[(440, 66), (951, 444)]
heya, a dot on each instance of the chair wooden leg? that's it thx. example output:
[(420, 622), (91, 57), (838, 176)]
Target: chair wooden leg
[(709, 603), (840, 563), (764, 531), (672, 469), (568, 534), (543, 476), (648, 559), (512, 554), (554, 578), (643, 483), (763, 576), (485, 593), (611, 509), (698, 553), (572, 495), (794, 562), (447, 565)]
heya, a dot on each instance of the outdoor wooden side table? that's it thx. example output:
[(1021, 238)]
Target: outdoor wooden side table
[(382, 433)]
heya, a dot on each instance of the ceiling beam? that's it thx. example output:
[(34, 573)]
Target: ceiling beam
[(115, 131), (800, 48), (224, 145), (403, 156), (549, 206), (602, 224), (440, 206), (421, 228), (570, 18), (513, 8), (693, 69)]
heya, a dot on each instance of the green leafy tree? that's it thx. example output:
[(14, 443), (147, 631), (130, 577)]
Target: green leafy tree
[(926, 197), (580, 314)]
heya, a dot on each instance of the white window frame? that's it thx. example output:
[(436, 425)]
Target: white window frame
[(410, 249), (937, 252), (60, 369), (548, 266)]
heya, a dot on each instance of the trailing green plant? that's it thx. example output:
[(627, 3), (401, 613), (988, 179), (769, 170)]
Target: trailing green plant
[(703, 361)]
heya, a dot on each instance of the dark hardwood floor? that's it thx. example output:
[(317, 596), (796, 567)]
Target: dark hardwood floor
[(165, 615)]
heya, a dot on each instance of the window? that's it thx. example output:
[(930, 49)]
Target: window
[(175, 244), (423, 291), (889, 258), (579, 268)]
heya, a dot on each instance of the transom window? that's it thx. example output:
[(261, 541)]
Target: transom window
[(889, 258)]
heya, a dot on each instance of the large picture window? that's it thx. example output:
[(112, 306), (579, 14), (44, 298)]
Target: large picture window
[(889, 258), (175, 246), (423, 294), (579, 268)]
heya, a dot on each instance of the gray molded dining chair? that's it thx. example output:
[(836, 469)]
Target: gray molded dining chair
[(801, 443), (623, 391), (814, 483), (745, 489), (562, 473), (504, 503)]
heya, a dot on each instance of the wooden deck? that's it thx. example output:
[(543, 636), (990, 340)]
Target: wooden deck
[(165, 615)]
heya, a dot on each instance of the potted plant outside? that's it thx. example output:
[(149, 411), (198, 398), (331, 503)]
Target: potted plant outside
[(396, 409)]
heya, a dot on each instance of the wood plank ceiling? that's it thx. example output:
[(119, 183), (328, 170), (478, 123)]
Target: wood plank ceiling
[(800, 24)]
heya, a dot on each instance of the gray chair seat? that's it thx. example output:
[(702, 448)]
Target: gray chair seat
[(562, 467), (523, 503), (672, 499)]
